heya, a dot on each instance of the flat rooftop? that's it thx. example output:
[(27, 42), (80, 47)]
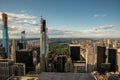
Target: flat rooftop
[(24, 78), (65, 76)]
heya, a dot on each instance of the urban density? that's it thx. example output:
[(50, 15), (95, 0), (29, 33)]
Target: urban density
[(50, 59), (57, 58)]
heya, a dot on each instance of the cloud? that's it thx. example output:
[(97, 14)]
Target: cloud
[(53, 32), (101, 31), (14, 28), (28, 22), (33, 31), (18, 16), (15, 32), (21, 18), (97, 32), (56, 32), (17, 28), (25, 19), (99, 15), (106, 27)]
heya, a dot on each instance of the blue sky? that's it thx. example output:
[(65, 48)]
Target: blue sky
[(65, 18)]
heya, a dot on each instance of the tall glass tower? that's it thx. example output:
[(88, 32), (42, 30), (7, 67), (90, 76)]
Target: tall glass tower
[(5, 39), (43, 45)]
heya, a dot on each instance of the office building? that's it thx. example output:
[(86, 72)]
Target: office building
[(26, 56), (23, 39), (101, 57), (110, 43), (95, 54), (112, 58), (23, 36), (59, 65), (20, 45), (2, 52), (105, 67), (74, 52), (13, 49), (69, 66), (118, 59), (19, 69), (6, 69), (5, 39), (90, 59)]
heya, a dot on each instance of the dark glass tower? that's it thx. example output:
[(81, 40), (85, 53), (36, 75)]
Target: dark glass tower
[(75, 53), (101, 57), (112, 58)]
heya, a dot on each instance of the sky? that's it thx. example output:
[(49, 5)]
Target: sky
[(64, 18)]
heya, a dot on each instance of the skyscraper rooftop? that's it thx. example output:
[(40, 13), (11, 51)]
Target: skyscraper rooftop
[(66, 76)]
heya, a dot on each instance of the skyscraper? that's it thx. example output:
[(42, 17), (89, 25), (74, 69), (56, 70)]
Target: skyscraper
[(100, 56), (23, 35), (118, 59), (23, 39), (6, 69), (26, 56), (13, 50), (112, 58), (74, 52), (43, 45), (5, 34), (90, 59)]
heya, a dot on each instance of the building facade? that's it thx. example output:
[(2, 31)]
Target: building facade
[(112, 58), (26, 56), (6, 69), (74, 52), (5, 39), (118, 59), (101, 57), (90, 59), (19, 69), (43, 46)]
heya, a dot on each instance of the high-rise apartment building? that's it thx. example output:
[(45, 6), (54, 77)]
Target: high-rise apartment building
[(23, 39), (13, 50), (5, 39), (43, 45)]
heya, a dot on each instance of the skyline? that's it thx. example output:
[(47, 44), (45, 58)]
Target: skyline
[(64, 18)]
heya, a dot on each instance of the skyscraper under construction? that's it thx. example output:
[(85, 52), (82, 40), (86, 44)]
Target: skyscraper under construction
[(5, 34), (43, 45)]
